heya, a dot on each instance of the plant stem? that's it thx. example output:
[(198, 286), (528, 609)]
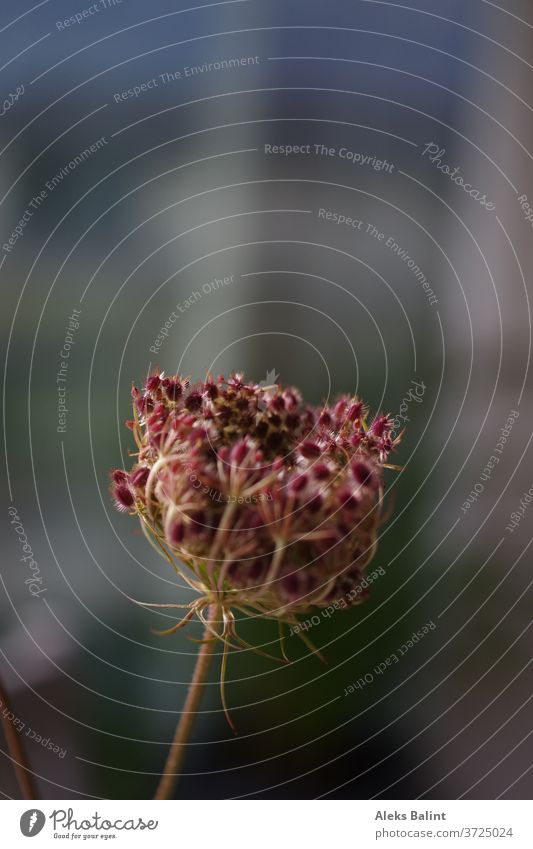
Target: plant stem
[(177, 751), (18, 756)]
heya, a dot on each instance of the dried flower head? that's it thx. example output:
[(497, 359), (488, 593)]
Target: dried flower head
[(273, 505)]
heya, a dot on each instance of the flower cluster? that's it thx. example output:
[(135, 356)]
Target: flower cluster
[(273, 505)]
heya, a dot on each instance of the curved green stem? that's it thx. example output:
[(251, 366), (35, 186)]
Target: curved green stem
[(177, 751)]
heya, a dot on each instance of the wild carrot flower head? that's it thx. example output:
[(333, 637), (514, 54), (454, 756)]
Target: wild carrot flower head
[(273, 505)]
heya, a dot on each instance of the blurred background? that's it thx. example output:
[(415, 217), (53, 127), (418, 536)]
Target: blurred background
[(154, 151)]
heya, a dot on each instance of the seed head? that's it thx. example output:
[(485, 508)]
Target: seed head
[(269, 502), (272, 506)]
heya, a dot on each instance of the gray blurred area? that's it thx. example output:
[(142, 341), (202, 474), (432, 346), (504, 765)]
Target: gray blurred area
[(190, 203)]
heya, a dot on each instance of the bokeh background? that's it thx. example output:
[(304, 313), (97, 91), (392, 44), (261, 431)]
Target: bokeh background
[(181, 191)]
